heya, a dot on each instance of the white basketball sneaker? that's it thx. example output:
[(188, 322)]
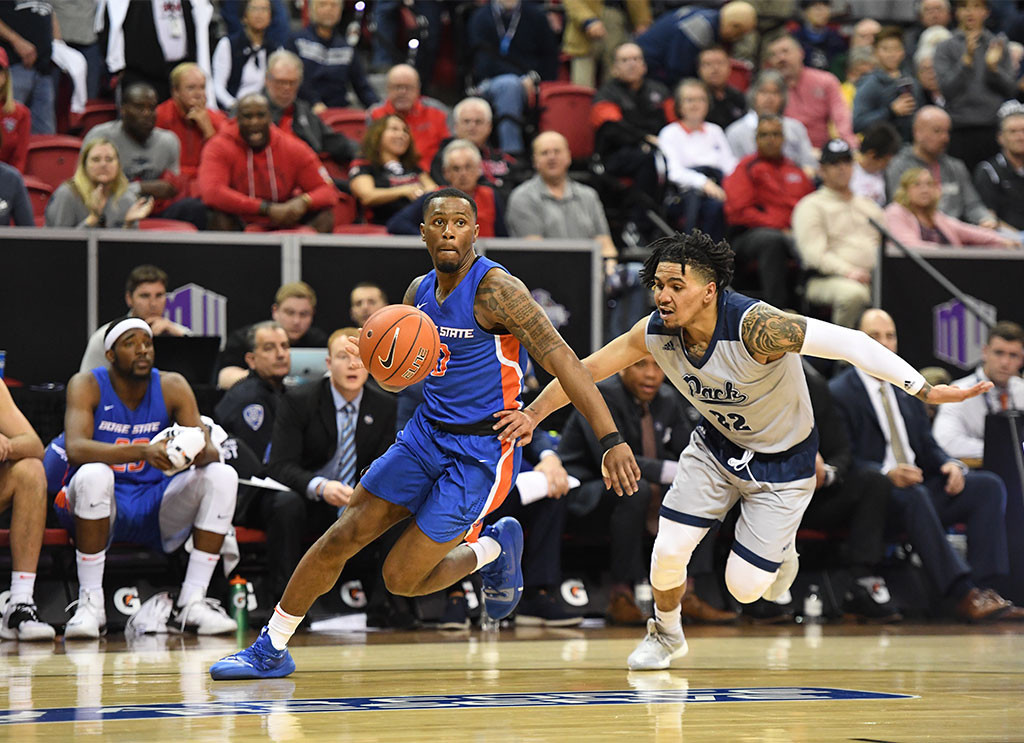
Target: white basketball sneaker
[(656, 651), (204, 617), (787, 574), (90, 619)]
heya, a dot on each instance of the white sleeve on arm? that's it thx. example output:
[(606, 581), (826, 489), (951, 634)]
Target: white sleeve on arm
[(829, 341)]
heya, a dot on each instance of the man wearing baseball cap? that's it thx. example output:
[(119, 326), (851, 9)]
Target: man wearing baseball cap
[(122, 486), (837, 243)]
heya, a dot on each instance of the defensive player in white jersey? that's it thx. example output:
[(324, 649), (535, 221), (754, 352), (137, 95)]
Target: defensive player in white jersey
[(734, 358)]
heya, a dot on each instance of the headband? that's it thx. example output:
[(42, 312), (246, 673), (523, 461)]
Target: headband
[(123, 327)]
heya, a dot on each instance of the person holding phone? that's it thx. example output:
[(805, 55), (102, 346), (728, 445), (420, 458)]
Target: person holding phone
[(886, 94)]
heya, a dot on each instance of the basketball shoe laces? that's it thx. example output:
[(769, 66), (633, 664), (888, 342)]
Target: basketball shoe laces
[(183, 612)]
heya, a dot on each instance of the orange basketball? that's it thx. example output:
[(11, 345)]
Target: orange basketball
[(399, 345)]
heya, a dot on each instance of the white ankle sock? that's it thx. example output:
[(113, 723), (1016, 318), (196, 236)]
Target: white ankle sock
[(90, 572), (670, 622), (197, 576), (281, 627), (486, 549), (22, 586)]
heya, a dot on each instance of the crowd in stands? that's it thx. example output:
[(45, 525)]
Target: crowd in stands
[(791, 134)]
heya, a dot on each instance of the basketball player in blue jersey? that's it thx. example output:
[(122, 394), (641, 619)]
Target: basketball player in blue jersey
[(116, 488), (447, 469), (735, 359)]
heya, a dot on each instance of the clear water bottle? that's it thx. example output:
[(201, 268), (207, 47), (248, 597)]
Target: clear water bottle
[(813, 606), (644, 598)]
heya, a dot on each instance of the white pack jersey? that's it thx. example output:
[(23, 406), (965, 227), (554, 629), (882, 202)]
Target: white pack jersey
[(764, 408)]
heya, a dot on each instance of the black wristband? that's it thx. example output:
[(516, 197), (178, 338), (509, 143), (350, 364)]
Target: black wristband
[(611, 439), (264, 208)]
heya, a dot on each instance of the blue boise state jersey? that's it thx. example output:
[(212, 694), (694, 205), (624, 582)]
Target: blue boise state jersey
[(116, 423), (478, 373)]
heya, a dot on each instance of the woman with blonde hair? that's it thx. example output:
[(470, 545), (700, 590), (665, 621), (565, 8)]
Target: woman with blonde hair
[(915, 220), (15, 120), (98, 194), (389, 177)]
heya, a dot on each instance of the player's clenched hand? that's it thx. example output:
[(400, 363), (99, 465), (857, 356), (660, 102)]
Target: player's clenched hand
[(619, 470), (948, 393), (156, 455), (515, 424)]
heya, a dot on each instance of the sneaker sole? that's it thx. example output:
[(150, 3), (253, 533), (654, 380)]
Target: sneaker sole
[(453, 626), (78, 635), (527, 621), (679, 653)]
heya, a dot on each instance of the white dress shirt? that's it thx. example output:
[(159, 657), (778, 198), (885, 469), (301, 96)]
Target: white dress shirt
[(875, 395), (960, 427)]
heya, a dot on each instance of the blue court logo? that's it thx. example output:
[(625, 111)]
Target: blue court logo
[(441, 701)]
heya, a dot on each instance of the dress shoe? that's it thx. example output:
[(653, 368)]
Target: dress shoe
[(699, 611), (622, 610), (764, 611), (979, 606)]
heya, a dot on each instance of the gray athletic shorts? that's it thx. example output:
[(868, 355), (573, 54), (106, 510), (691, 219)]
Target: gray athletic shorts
[(704, 490)]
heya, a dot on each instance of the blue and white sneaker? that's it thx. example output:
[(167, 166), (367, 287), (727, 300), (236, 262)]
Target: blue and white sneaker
[(261, 660), (503, 578)]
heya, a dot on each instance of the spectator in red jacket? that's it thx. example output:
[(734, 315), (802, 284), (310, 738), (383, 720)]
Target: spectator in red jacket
[(759, 198), (253, 173), (427, 118), (185, 113), (15, 120)]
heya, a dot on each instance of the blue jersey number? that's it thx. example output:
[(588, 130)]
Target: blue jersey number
[(731, 421)]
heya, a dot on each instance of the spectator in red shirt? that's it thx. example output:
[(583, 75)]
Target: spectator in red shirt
[(759, 198), (15, 120), (185, 113), (253, 173), (427, 118)]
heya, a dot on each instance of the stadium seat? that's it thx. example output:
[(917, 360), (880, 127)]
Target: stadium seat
[(96, 112), (349, 121), (52, 158), (168, 225), (565, 108), (346, 211), (740, 75), (39, 194), (360, 229)]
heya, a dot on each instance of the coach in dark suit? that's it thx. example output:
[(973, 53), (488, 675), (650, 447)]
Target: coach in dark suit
[(890, 432), (311, 453), (632, 395)]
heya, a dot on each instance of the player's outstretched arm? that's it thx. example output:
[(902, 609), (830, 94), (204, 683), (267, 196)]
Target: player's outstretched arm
[(768, 333), (502, 301)]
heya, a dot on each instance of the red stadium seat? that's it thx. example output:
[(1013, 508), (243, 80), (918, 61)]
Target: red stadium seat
[(346, 211), (740, 75), (349, 121), (52, 158), (168, 225), (96, 112), (360, 229), (565, 108), (39, 194)]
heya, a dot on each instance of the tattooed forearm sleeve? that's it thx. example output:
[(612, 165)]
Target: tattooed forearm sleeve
[(503, 301), (410, 293), (769, 331)]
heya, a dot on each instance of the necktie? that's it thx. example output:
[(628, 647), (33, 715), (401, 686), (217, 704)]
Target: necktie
[(649, 449), (894, 435), (346, 456), (1004, 400)]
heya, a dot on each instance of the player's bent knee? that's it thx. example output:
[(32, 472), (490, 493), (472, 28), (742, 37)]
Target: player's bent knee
[(746, 582), (30, 476), (398, 581), (94, 491), (217, 506), (672, 550)]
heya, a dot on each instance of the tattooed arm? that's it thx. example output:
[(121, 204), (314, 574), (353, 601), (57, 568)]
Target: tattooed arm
[(769, 333), (503, 304), (410, 293)]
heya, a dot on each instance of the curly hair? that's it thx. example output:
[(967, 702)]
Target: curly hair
[(710, 260), (410, 159)]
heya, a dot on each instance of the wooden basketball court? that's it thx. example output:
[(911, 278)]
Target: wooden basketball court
[(780, 685)]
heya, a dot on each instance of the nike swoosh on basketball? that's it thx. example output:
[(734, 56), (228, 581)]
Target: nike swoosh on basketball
[(386, 363)]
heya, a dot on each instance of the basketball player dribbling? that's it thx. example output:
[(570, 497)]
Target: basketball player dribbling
[(735, 359), (447, 468)]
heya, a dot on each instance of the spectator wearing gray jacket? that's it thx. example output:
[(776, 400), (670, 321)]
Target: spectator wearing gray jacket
[(974, 73), (931, 137)]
